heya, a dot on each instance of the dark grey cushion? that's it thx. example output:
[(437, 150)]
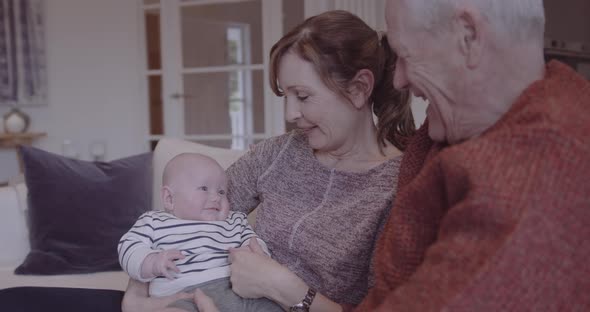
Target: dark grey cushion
[(78, 210)]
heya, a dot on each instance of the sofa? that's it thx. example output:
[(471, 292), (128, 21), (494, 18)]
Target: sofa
[(14, 238)]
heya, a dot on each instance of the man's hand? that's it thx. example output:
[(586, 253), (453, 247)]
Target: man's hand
[(204, 302), (136, 299), (161, 264)]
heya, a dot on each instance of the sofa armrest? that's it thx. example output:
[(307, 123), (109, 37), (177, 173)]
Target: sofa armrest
[(13, 226)]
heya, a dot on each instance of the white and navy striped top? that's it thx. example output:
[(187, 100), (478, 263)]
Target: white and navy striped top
[(204, 243)]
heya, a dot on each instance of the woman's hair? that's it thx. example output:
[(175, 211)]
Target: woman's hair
[(339, 44)]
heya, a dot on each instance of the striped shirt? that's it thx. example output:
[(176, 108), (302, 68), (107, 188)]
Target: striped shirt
[(204, 243)]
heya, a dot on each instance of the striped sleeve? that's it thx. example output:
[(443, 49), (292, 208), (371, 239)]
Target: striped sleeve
[(136, 245), (248, 234)]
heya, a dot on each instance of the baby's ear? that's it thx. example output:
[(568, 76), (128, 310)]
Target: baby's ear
[(167, 198)]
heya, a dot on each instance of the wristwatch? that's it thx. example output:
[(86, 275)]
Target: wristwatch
[(304, 305)]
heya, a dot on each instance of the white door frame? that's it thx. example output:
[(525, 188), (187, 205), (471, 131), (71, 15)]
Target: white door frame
[(172, 71)]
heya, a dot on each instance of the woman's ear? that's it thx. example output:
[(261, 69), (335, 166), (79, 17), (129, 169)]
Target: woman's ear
[(167, 198), (361, 88)]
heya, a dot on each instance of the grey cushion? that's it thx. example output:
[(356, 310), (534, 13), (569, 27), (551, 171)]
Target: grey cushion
[(78, 210)]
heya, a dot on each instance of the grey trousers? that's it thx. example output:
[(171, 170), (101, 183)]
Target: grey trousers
[(226, 300)]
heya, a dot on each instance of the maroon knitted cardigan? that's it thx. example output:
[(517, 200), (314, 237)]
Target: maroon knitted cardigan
[(500, 222)]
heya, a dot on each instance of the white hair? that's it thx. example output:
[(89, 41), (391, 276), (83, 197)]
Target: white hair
[(519, 20)]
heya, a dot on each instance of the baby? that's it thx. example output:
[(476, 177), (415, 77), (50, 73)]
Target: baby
[(186, 246)]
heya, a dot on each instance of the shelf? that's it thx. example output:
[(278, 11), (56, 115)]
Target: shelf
[(567, 53), (11, 140)]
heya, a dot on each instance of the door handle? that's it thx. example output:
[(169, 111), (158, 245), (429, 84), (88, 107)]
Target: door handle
[(178, 96)]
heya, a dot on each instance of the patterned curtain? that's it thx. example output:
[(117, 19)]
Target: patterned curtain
[(22, 53)]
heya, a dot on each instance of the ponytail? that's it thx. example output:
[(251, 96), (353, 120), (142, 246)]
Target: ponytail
[(395, 122)]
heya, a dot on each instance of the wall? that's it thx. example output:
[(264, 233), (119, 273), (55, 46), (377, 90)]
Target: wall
[(94, 64), (569, 22)]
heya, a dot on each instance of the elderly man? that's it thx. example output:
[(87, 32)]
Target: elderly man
[(493, 208)]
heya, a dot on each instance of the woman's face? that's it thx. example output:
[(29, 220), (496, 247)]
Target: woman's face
[(328, 119)]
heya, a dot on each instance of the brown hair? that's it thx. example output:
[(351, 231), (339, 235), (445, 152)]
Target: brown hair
[(339, 44)]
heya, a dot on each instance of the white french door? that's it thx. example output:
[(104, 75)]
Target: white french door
[(207, 63)]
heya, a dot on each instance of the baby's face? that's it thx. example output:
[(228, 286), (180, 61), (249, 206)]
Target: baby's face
[(200, 193)]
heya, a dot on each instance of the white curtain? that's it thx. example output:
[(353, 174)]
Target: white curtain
[(22, 53)]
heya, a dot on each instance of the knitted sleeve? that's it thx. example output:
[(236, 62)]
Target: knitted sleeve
[(508, 244), (243, 175)]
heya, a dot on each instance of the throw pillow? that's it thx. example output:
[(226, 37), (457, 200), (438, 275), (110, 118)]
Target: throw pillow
[(78, 210)]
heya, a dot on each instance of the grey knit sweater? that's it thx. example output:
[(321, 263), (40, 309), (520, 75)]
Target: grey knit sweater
[(321, 223)]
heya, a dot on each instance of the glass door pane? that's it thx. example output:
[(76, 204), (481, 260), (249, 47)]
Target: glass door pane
[(205, 30), (222, 66), (152, 39), (155, 101), (154, 67), (293, 15), (225, 103)]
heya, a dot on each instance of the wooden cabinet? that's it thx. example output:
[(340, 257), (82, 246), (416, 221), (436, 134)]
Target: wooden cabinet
[(11, 140)]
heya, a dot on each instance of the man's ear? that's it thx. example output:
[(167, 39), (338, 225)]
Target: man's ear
[(361, 87), (469, 29), (167, 198)]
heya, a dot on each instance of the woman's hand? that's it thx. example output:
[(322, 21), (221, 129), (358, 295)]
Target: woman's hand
[(251, 270), (255, 275), (136, 299)]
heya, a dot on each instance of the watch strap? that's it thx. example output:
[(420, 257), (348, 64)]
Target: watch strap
[(306, 302)]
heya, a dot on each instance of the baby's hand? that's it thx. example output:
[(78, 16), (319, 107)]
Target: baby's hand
[(161, 264)]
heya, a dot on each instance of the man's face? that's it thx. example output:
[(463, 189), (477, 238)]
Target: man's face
[(427, 65)]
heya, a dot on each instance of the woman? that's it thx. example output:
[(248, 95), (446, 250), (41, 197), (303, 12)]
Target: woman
[(325, 189)]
